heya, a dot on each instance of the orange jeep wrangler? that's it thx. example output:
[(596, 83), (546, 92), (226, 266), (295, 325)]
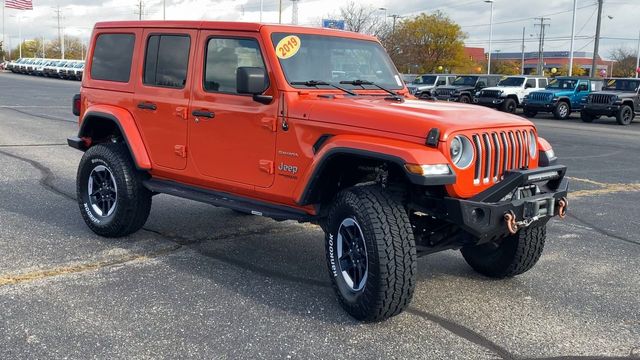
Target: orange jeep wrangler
[(313, 125)]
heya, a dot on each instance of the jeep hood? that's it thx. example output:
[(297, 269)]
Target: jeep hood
[(559, 92), (409, 117), (622, 94)]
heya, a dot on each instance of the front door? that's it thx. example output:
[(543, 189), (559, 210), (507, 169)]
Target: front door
[(231, 136), (162, 95)]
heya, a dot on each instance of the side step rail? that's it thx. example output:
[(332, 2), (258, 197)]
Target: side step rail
[(226, 200)]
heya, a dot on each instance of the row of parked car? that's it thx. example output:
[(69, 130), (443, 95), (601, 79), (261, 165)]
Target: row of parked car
[(55, 68), (592, 97)]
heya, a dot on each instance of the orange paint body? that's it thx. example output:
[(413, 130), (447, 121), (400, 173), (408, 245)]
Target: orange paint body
[(245, 149)]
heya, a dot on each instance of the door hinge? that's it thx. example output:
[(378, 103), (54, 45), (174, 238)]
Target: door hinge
[(180, 150), (181, 112), (267, 166), (270, 123)]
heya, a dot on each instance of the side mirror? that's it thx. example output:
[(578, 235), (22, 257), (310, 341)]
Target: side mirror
[(528, 86), (253, 81)]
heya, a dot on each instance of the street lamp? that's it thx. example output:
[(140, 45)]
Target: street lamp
[(490, 36)]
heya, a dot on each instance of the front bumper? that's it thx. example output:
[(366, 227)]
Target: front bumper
[(447, 98), (540, 107), (602, 109), (483, 216), (488, 101)]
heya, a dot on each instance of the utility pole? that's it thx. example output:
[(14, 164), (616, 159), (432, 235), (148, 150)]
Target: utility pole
[(490, 2), (140, 7), (573, 36), (280, 13), (261, 8), (522, 60), (597, 40), (294, 12), (60, 32), (3, 39), (393, 27), (540, 69), (164, 9), (43, 51)]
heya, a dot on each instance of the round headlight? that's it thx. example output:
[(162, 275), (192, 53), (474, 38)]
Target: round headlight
[(533, 144), (461, 152)]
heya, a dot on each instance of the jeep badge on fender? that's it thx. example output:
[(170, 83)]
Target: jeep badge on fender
[(353, 156)]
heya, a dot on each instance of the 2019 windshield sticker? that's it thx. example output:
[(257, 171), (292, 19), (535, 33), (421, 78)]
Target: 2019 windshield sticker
[(288, 46)]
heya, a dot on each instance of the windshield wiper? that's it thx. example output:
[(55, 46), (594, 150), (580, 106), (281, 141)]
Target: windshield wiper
[(316, 83), (366, 82)]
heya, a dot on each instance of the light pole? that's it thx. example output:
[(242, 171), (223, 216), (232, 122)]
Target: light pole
[(490, 2), (573, 36)]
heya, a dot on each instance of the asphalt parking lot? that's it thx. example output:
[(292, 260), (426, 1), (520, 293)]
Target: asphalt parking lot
[(203, 282)]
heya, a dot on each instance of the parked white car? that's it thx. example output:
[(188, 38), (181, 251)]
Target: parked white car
[(510, 92), (422, 85)]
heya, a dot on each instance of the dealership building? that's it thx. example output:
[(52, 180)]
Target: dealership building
[(555, 59)]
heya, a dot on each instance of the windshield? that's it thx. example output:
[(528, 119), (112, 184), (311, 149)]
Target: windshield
[(333, 59), (425, 80), (622, 85), (511, 81), (465, 80), (567, 84)]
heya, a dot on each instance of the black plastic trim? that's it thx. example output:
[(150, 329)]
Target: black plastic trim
[(413, 178), (83, 131), (320, 142), (227, 200), (76, 143)]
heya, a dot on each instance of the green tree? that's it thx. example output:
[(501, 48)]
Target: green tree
[(73, 49), (426, 42)]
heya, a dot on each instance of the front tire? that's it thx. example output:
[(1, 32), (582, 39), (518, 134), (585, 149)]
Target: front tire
[(586, 117), (465, 99), (515, 255), (371, 253), (112, 200), (509, 106), (562, 111), (625, 115), (530, 113)]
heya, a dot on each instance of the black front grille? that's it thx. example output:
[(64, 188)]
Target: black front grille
[(601, 98), (444, 92), (491, 93), (498, 152)]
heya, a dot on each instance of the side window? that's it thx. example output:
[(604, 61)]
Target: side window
[(543, 83), (482, 83), (224, 57), (493, 81), (531, 83), (167, 60), (112, 57)]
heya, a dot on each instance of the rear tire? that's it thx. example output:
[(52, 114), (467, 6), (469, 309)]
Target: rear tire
[(371, 253), (562, 111), (112, 200), (624, 115), (586, 117), (509, 106), (515, 255)]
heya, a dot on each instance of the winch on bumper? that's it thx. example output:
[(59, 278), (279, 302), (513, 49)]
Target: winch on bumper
[(524, 198)]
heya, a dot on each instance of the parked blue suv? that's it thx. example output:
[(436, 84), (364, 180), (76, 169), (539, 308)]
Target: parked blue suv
[(562, 96)]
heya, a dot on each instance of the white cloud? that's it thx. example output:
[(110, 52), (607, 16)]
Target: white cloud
[(473, 15)]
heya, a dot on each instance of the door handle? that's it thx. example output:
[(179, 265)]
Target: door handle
[(147, 106), (203, 113)]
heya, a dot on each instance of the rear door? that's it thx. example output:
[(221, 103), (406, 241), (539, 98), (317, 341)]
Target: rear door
[(162, 94)]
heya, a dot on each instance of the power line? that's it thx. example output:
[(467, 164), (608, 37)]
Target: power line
[(527, 18)]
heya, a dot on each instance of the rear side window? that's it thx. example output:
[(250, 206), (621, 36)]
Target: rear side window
[(543, 83), (112, 57), (167, 61), (531, 83)]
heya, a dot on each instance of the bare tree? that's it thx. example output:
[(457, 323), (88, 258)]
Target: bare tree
[(364, 19)]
